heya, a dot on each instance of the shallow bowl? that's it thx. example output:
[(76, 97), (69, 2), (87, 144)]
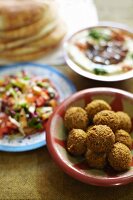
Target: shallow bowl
[(76, 166)]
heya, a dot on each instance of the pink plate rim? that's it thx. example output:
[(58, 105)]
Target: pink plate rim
[(106, 182)]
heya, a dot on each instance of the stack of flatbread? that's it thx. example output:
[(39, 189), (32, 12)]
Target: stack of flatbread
[(29, 29)]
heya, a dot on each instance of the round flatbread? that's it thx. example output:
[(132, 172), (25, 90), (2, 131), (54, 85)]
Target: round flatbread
[(32, 29), (52, 39), (17, 13), (28, 57), (17, 43)]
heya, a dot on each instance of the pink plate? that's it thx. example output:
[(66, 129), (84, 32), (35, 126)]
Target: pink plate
[(56, 137)]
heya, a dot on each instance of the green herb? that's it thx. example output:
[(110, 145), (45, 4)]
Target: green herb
[(7, 87), (99, 71), (17, 116), (34, 123), (21, 83), (41, 84), (20, 105), (97, 35), (26, 78), (39, 126), (16, 83), (13, 93), (23, 105)]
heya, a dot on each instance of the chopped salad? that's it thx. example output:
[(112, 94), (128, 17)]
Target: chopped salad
[(26, 102)]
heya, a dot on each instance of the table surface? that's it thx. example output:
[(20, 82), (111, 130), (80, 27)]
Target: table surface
[(34, 175)]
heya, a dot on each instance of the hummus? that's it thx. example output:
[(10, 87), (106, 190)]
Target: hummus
[(102, 50)]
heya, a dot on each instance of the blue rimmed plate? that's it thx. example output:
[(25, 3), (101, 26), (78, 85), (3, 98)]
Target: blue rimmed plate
[(64, 87)]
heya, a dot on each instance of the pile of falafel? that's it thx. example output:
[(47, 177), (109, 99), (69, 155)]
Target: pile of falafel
[(99, 134)]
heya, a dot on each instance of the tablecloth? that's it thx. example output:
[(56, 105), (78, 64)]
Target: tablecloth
[(34, 175)]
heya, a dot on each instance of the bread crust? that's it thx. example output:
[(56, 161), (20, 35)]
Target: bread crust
[(27, 31), (29, 57), (52, 39), (8, 45), (15, 14)]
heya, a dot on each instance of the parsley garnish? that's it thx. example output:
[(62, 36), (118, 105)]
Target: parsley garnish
[(97, 35), (99, 71), (35, 123)]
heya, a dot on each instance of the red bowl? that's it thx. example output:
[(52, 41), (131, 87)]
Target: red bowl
[(56, 137)]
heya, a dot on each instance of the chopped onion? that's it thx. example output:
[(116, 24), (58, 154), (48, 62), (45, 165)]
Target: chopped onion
[(32, 109), (14, 121)]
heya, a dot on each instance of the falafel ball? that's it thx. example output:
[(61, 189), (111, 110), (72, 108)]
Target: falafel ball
[(120, 157), (89, 127), (100, 138), (123, 137), (76, 117), (107, 117), (125, 121), (95, 160), (76, 142), (96, 106)]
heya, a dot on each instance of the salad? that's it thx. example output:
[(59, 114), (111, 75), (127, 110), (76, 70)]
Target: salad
[(26, 102)]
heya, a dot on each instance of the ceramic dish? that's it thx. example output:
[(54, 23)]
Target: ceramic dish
[(103, 52), (38, 139), (56, 137)]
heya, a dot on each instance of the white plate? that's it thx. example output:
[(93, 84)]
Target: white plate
[(88, 74), (64, 87)]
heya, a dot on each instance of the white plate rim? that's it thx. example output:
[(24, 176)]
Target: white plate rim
[(87, 74)]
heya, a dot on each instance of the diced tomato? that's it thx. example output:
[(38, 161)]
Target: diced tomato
[(5, 125), (10, 125), (31, 98), (46, 80), (40, 101), (45, 95), (3, 130)]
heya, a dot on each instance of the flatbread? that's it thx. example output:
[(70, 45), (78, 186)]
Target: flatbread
[(32, 29), (27, 57), (47, 41), (16, 43), (17, 13), (51, 38)]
